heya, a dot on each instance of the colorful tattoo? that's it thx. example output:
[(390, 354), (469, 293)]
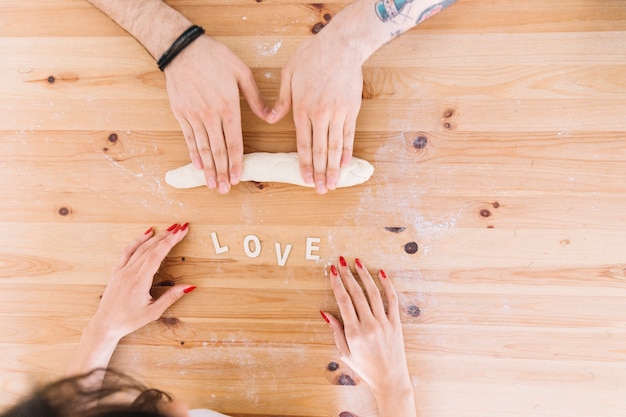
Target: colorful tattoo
[(389, 9), (433, 10)]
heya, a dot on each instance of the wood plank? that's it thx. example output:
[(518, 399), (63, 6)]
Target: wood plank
[(296, 17), (512, 304)]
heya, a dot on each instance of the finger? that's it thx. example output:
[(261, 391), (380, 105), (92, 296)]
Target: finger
[(190, 140), (152, 258), (344, 302), (320, 154), (338, 334), (283, 102), (361, 306), (234, 146), (252, 94), (168, 298), (303, 139), (220, 154), (204, 149), (132, 247), (373, 294), (335, 146), (137, 258), (393, 307), (349, 128)]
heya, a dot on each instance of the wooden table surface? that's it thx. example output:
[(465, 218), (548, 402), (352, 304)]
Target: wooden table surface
[(514, 303)]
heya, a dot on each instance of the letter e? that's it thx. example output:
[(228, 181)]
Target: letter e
[(310, 247)]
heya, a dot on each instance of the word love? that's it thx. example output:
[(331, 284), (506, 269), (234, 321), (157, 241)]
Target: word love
[(252, 248)]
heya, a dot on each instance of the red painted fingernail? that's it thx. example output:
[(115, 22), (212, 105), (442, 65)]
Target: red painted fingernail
[(176, 229), (342, 261), (358, 263), (324, 316), (147, 231), (333, 270), (184, 227), (189, 289), (172, 227), (382, 274)]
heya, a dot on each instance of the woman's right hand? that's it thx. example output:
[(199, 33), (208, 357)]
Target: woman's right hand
[(370, 339)]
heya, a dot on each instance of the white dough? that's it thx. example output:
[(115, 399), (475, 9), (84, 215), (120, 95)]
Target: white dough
[(271, 167)]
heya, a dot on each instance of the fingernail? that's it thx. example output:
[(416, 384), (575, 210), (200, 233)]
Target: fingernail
[(184, 227), (176, 229), (332, 184), (224, 187), (172, 227), (189, 289), (333, 270), (308, 178), (358, 263), (320, 187), (234, 179), (212, 184), (147, 231), (382, 274), (324, 317), (342, 261)]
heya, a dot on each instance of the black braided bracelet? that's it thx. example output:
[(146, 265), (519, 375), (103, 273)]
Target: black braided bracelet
[(179, 44)]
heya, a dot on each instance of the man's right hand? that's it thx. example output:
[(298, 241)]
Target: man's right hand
[(203, 84)]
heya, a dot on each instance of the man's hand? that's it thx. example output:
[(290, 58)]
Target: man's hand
[(203, 84), (323, 82)]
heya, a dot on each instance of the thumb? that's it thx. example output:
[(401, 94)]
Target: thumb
[(338, 334), (283, 102), (252, 94), (170, 296)]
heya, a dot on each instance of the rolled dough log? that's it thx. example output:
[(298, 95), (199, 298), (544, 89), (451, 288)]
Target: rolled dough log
[(271, 167)]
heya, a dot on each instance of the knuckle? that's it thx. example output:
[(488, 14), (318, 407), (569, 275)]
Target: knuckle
[(319, 152), (335, 147), (219, 152)]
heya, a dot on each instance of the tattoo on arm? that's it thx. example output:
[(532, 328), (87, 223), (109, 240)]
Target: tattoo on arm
[(389, 9), (433, 10)]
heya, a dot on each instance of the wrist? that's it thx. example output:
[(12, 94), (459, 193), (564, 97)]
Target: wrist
[(354, 31), (396, 401), (98, 334), (94, 350)]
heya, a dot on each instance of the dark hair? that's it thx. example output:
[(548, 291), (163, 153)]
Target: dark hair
[(99, 393)]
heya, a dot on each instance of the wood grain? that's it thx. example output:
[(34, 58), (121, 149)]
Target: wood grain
[(513, 303)]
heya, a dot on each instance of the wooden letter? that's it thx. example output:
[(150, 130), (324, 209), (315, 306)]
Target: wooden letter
[(257, 246), (216, 244), (310, 247), (280, 257)]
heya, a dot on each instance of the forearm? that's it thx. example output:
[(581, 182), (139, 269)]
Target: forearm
[(141, 17), (366, 25), (94, 350)]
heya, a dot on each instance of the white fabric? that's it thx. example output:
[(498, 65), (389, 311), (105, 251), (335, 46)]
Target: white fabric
[(271, 167), (203, 412)]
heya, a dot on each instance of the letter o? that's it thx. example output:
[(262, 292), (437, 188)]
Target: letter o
[(257, 246)]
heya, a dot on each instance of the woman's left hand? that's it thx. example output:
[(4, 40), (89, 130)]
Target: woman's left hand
[(126, 303)]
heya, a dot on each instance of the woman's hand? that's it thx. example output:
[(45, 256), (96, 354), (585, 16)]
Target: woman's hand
[(126, 303), (370, 339), (203, 84)]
